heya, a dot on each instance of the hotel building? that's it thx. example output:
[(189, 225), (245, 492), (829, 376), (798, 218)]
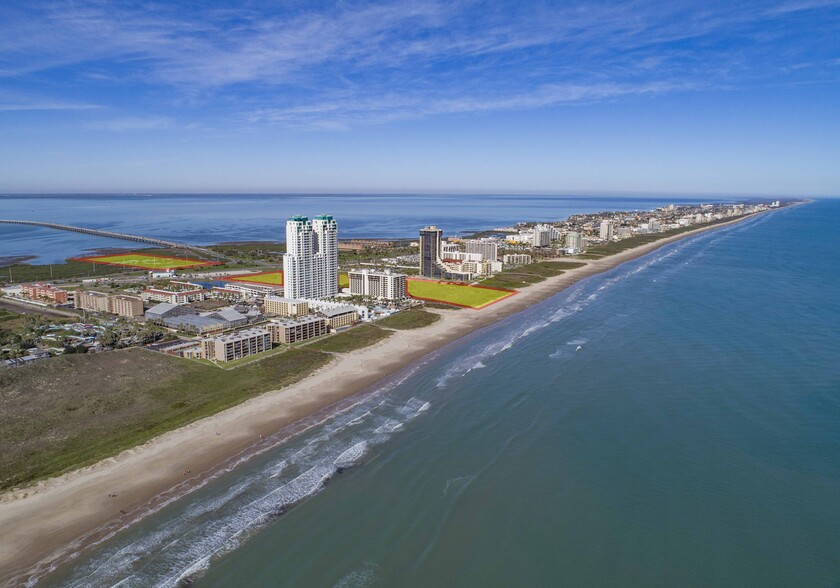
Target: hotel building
[(385, 285)]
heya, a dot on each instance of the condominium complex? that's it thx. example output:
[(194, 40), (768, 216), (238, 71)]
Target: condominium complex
[(541, 236), (430, 252), (574, 241), (236, 345), (93, 301), (310, 265), (130, 306), (292, 330), (516, 259), (175, 293), (488, 249), (121, 304), (340, 316), (385, 285), (40, 290), (606, 230), (285, 306)]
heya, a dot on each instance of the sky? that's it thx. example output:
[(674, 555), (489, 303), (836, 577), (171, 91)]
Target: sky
[(632, 97)]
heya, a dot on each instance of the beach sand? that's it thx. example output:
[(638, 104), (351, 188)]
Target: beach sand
[(41, 525)]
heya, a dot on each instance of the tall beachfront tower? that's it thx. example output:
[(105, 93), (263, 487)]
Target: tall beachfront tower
[(606, 232), (325, 251), (310, 265), (430, 261), (297, 262)]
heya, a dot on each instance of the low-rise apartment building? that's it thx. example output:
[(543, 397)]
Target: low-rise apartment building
[(340, 316), (285, 306), (293, 330), (236, 345), (516, 259), (44, 291)]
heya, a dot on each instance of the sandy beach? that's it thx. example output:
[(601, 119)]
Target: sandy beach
[(41, 525)]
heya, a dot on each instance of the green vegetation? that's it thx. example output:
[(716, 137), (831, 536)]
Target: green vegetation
[(409, 319), (74, 410), (350, 340), (451, 293), (70, 269), (7, 315), (526, 275), (275, 278), (146, 261), (271, 278), (441, 306), (229, 365), (259, 251)]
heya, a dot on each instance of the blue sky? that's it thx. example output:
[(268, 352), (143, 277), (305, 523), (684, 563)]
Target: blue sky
[(415, 96)]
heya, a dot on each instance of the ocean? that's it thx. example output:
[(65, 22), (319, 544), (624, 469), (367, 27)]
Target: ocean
[(671, 422), (204, 219)]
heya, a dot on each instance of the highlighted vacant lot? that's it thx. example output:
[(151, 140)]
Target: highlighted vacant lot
[(275, 278), (272, 278), (475, 297), (146, 261)]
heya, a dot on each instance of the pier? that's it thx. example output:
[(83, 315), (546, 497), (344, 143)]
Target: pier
[(114, 235)]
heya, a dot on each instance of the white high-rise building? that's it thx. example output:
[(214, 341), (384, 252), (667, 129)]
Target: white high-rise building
[(310, 265), (574, 241), (325, 250), (489, 250), (606, 232)]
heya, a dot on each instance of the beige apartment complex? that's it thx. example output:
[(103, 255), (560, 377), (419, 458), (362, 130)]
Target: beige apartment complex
[(340, 316), (293, 330), (285, 306), (121, 304), (236, 345)]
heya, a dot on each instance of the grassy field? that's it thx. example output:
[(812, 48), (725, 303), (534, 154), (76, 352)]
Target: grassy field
[(350, 340), (74, 410), (70, 269), (147, 261), (272, 278), (7, 315), (409, 319), (526, 275), (475, 297), (275, 278)]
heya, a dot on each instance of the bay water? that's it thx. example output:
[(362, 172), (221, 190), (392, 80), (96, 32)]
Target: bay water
[(205, 219)]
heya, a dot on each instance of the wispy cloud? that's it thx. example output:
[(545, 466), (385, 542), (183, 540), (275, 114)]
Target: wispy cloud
[(18, 107), (369, 62), (150, 123)]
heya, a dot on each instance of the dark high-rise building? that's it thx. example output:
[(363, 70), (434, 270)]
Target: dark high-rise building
[(430, 262)]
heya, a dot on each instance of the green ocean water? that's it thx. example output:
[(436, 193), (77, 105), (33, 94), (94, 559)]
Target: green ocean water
[(673, 422)]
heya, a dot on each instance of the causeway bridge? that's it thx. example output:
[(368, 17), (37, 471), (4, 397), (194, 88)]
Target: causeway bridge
[(114, 235)]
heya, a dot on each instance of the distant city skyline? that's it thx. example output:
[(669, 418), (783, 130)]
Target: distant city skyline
[(600, 98)]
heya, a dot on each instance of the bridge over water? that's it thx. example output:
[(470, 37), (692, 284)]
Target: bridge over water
[(114, 235)]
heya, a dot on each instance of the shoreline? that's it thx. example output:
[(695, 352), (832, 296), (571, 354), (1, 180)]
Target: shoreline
[(39, 531)]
